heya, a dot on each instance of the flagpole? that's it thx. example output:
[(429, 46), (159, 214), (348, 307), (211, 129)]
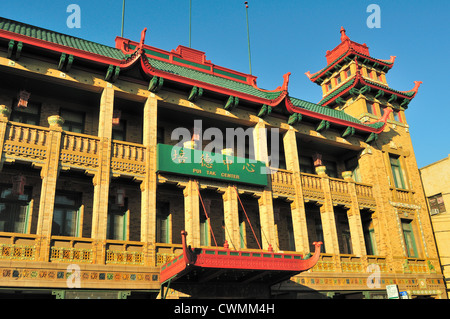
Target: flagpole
[(190, 18), (248, 38), (123, 17)]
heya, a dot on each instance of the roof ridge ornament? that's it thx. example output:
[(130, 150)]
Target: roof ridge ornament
[(141, 42), (344, 37)]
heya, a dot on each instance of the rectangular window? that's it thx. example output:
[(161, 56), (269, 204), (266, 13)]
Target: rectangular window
[(26, 115), (162, 222), (331, 168), (119, 131), (117, 220), (343, 230), (408, 236), (73, 121), (380, 77), (160, 135), (204, 231), (14, 209), (437, 205), (242, 235), (66, 214), (290, 232), (306, 165), (329, 87), (397, 171), (338, 80), (348, 72), (370, 107), (353, 166), (397, 116), (369, 233)]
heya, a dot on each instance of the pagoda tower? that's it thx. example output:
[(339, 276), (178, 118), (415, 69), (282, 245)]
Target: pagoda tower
[(355, 82)]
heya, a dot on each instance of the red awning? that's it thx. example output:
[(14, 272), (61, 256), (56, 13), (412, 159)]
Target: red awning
[(222, 265)]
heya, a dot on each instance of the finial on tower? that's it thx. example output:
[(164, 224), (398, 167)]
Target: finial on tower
[(343, 35)]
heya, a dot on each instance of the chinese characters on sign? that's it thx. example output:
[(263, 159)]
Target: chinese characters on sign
[(210, 165)]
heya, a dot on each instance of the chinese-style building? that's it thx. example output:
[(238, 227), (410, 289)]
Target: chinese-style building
[(94, 195)]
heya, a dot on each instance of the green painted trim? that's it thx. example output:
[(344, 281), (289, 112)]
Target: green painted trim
[(231, 75), (197, 65)]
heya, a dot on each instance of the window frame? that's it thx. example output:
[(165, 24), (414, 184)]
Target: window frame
[(27, 115), (407, 229), (12, 217), (123, 212), (77, 197), (399, 176), (69, 125)]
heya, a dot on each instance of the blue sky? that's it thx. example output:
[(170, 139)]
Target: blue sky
[(286, 36)]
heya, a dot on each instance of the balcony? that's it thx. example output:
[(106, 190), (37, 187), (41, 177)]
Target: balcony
[(402, 196), (29, 143), (282, 182)]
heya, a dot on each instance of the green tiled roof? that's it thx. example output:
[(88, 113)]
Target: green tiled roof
[(337, 91), (96, 48), (330, 112), (407, 93), (211, 79), (59, 38)]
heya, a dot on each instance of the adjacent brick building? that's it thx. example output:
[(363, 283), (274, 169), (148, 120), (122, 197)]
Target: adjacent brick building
[(86, 209)]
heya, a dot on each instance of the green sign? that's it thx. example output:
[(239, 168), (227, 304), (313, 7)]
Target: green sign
[(186, 161)]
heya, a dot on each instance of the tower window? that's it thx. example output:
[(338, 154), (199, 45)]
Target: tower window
[(338, 80), (348, 72), (370, 108), (329, 87), (397, 172)]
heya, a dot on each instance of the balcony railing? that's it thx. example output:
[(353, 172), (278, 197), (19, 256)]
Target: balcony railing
[(282, 181), (72, 250), (402, 195), (15, 246), (79, 150), (27, 142), (128, 158)]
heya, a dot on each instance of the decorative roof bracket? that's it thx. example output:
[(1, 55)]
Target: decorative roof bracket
[(405, 102), (364, 89), (323, 126), (155, 84), (340, 101), (112, 73), (392, 98), (195, 94), (354, 91), (265, 110), (294, 118), (372, 137), (349, 131), (379, 94), (11, 46), (62, 62), (231, 103)]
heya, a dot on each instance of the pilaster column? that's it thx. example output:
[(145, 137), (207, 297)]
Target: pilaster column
[(298, 205), (49, 176), (266, 216), (149, 184), (354, 219), (327, 215), (192, 213), (4, 116), (231, 217), (102, 178)]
